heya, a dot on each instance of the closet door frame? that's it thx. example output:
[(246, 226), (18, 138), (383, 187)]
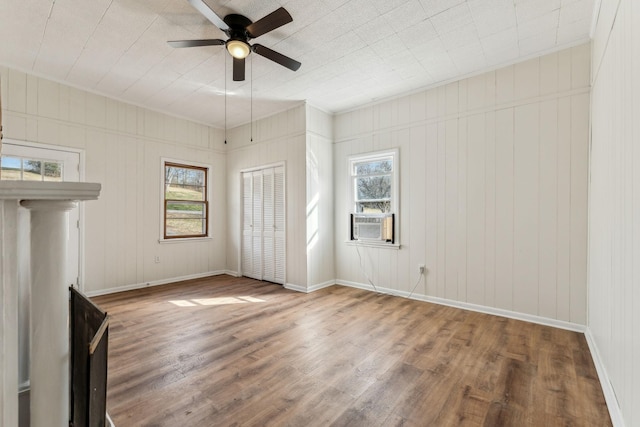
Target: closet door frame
[(241, 222)]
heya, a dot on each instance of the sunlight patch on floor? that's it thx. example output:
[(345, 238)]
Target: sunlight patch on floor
[(182, 303), (215, 301)]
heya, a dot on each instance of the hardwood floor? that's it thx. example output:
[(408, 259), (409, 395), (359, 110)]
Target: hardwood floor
[(235, 351)]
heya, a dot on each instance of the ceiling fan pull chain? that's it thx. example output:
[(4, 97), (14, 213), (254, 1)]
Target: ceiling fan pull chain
[(251, 98), (225, 99)]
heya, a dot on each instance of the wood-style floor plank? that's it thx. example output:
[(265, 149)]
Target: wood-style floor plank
[(224, 351)]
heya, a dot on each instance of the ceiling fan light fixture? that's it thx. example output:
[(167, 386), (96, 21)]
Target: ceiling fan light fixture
[(239, 29), (238, 49)]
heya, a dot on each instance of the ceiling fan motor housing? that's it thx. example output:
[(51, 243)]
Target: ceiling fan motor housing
[(237, 27)]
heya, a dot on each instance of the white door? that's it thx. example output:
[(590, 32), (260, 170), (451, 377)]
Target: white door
[(252, 225), (279, 225), (263, 224), (39, 162), (247, 225), (268, 255)]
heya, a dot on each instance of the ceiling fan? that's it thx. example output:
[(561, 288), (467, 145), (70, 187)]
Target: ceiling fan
[(240, 30)]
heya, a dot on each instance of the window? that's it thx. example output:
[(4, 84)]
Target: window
[(186, 201), (374, 195), (14, 168)]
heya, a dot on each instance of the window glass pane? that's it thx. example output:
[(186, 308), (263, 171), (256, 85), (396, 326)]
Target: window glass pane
[(179, 192), (186, 227), (185, 208), (373, 207), (11, 169), (373, 167), (32, 170), (52, 171), (373, 187), (184, 183), (194, 177), (186, 219)]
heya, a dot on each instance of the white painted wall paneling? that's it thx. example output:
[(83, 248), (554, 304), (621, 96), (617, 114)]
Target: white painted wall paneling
[(279, 138), (319, 199), (614, 203), (493, 179), (319, 211), (123, 145)]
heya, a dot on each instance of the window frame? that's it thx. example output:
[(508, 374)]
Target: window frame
[(352, 160), (164, 238)]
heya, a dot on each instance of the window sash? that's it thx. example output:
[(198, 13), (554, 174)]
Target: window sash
[(186, 212), (360, 199)]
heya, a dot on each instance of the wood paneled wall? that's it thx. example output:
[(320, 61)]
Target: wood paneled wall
[(301, 138), (320, 199), (614, 201), (493, 188), (279, 138), (123, 145)]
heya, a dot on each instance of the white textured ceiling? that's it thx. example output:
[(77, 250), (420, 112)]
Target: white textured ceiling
[(352, 51)]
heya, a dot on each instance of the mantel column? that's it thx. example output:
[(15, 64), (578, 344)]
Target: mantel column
[(50, 388), (9, 313), (49, 312)]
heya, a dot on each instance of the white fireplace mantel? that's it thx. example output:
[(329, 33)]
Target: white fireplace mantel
[(48, 202), (38, 190)]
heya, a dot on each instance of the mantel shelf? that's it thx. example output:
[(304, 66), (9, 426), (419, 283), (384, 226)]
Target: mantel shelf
[(38, 190)]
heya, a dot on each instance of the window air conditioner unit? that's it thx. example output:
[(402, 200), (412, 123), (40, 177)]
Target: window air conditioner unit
[(372, 227)]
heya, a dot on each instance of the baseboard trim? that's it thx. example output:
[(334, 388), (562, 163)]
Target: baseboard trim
[(155, 283), (607, 389), (297, 288), (472, 307), (308, 289), (322, 285), (231, 273)]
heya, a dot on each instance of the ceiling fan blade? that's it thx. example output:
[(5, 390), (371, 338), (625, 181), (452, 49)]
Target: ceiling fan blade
[(195, 43), (238, 69), (208, 13), (275, 19), (285, 61)]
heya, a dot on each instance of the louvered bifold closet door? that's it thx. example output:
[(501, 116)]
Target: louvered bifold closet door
[(279, 235), (263, 225), (269, 225), (247, 225), (256, 252)]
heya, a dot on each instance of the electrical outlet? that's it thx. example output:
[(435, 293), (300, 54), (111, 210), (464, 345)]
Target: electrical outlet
[(156, 259), (421, 267)]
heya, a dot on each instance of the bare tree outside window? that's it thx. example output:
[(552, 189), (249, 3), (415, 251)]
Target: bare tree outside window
[(373, 186)]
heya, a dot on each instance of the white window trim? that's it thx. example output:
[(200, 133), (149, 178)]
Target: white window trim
[(395, 196), (161, 239)]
